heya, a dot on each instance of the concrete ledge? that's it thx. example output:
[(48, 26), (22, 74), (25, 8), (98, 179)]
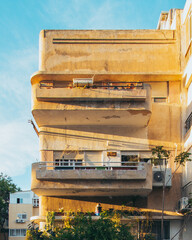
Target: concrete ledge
[(91, 174), (75, 94)]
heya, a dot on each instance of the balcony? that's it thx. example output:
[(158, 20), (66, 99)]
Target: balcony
[(91, 179), (97, 92), (61, 104)]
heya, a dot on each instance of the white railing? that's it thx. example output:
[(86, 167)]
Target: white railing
[(79, 164)]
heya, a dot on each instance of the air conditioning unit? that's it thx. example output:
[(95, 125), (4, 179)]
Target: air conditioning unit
[(158, 176), (20, 221), (79, 82), (183, 204)]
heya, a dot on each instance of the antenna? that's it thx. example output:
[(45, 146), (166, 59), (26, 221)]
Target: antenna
[(34, 127)]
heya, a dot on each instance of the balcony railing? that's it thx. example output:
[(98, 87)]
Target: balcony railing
[(79, 164), (100, 85), (96, 92)]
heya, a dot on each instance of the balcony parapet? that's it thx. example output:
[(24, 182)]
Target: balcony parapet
[(113, 171), (49, 91), (77, 94), (92, 182)]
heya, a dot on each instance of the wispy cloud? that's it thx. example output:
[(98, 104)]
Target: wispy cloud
[(19, 147), (86, 14), (15, 90), (18, 142)]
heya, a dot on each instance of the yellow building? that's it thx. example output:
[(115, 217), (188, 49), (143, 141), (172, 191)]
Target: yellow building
[(22, 206), (102, 99)]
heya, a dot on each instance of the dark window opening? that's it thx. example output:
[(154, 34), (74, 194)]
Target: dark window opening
[(160, 100), (155, 229), (188, 122), (145, 160), (19, 200), (127, 160)]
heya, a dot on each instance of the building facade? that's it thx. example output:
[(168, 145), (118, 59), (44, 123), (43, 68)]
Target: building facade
[(22, 206), (102, 99)]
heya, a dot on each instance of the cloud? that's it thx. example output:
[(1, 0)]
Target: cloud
[(19, 147), (86, 14), (15, 76), (18, 142)]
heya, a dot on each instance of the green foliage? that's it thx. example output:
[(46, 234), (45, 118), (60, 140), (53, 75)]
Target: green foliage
[(81, 227), (149, 236), (6, 187), (50, 219), (159, 153), (182, 158)]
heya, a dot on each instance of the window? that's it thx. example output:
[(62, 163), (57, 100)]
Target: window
[(160, 99), (156, 229), (67, 164), (125, 159), (35, 202), (19, 200), (22, 216), (17, 232), (188, 122)]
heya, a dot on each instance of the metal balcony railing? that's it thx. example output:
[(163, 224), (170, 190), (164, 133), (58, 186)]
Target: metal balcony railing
[(79, 164), (101, 85)]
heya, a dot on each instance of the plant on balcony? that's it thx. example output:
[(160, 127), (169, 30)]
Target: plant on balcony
[(60, 212)]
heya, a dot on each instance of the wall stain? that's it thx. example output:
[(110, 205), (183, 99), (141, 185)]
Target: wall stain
[(109, 117), (72, 54)]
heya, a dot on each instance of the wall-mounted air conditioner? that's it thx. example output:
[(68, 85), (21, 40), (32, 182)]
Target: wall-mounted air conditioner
[(20, 221), (158, 176), (79, 82), (183, 203)]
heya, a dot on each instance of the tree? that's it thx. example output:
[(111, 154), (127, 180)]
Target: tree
[(159, 155), (6, 187), (79, 226)]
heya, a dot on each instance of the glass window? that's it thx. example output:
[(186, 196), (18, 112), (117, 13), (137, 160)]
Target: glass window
[(17, 232), (23, 232), (12, 232), (35, 202), (188, 122), (22, 216), (19, 200)]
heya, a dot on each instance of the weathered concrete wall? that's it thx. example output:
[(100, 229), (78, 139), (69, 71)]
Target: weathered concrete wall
[(117, 51)]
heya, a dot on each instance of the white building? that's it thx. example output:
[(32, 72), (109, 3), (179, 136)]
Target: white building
[(22, 206)]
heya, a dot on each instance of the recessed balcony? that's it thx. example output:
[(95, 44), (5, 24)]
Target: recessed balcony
[(92, 179)]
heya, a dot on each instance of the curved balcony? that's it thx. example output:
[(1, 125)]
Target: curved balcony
[(115, 179), (111, 105)]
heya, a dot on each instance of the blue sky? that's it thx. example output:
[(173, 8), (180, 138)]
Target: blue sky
[(20, 24)]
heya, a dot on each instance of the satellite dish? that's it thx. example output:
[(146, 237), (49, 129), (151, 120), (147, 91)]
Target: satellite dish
[(158, 176)]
